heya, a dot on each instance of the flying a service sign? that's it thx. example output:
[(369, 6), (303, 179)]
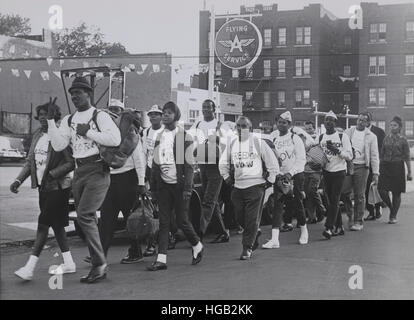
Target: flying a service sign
[(238, 43)]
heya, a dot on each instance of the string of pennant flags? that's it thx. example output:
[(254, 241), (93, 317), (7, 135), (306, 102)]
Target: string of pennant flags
[(155, 68)]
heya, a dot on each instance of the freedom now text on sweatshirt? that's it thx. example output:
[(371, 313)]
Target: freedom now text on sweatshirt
[(248, 162)]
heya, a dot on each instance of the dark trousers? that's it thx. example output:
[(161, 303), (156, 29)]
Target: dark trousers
[(313, 201), (369, 206), (293, 203), (247, 205), (171, 202), (122, 195), (333, 188), (229, 214), (90, 184), (211, 181)]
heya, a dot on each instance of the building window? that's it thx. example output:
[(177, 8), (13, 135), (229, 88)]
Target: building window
[(381, 124), (302, 98), (249, 95), (348, 41), (282, 37), (234, 73), (347, 99), (307, 35), (249, 72), (266, 100), (281, 68), (281, 99), (302, 67), (377, 96), (381, 97), (266, 68), (377, 65), (267, 37), (303, 35), (378, 32), (409, 30), (347, 70), (409, 63), (194, 114), (409, 128), (218, 69), (409, 96)]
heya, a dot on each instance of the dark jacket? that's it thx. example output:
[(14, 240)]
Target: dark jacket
[(58, 167), (380, 136), (184, 161)]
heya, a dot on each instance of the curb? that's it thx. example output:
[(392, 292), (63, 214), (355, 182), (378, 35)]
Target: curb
[(29, 243)]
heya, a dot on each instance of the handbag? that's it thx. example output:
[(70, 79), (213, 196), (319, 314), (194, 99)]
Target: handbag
[(373, 194), (141, 223), (316, 158)]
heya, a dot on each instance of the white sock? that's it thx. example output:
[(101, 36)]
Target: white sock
[(197, 248), (162, 258), (31, 263), (67, 258), (275, 235)]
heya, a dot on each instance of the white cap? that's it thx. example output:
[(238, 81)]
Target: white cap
[(331, 114), (286, 116), (116, 103), (155, 108)]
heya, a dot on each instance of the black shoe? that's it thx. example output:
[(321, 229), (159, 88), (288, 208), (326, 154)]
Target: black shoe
[(157, 266), (327, 234), (320, 218), (312, 221), (171, 242), (286, 228), (338, 232), (88, 259), (96, 274), (246, 254), (378, 213), (256, 241), (129, 259), (221, 238), (150, 251), (198, 258), (370, 218)]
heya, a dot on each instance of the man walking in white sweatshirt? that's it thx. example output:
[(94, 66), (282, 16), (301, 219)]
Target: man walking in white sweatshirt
[(290, 151), (249, 163)]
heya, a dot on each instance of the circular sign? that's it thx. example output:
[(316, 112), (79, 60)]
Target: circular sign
[(238, 43)]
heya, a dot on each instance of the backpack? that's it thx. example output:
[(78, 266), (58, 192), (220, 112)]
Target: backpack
[(128, 124), (349, 163), (207, 144)]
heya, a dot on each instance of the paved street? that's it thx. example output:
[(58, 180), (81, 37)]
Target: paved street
[(316, 271)]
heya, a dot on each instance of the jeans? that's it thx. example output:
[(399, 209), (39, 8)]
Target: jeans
[(122, 196), (313, 201), (293, 203), (333, 188), (247, 205), (359, 183), (171, 202), (90, 184), (211, 181)]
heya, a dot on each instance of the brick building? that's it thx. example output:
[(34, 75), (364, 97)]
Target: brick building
[(386, 63), (311, 55)]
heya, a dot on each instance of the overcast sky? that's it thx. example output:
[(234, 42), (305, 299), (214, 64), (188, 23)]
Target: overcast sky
[(145, 26)]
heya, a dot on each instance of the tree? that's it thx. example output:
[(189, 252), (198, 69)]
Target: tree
[(86, 41), (14, 25)]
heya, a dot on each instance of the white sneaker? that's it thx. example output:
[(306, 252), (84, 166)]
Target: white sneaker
[(304, 235), (357, 227), (62, 269), (271, 244), (25, 273)]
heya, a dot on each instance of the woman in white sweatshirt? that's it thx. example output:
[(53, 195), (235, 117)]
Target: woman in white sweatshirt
[(290, 151)]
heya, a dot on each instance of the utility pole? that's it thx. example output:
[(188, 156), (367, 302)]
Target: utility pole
[(212, 53)]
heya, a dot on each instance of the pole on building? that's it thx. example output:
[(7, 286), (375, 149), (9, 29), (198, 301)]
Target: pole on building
[(347, 119), (211, 53), (315, 105)]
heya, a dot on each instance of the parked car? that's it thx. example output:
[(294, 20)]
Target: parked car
[(11, 149)]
